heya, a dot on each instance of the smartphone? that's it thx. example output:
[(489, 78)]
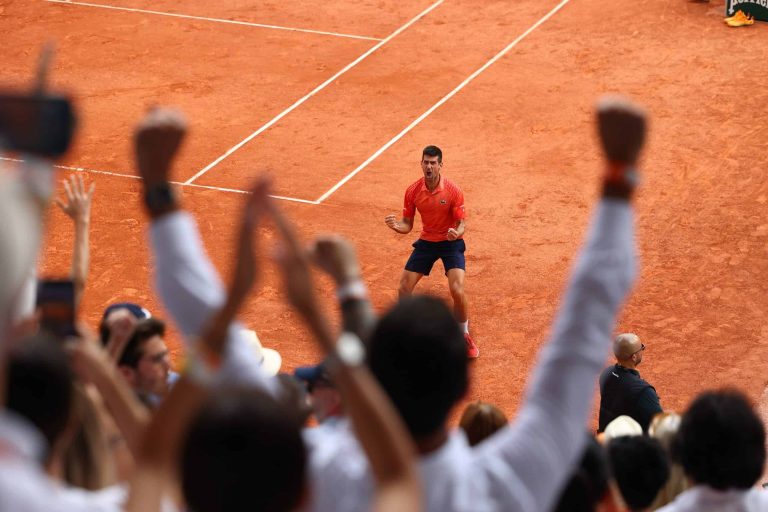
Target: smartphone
[(34, 123), (56, 304)]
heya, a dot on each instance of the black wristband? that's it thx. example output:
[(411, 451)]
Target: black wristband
[(160, 198)]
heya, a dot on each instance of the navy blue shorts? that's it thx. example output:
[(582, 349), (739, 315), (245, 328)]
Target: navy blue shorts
[(425, 254)]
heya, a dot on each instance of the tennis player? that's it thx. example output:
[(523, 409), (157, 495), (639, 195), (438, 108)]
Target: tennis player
[(440, 203)]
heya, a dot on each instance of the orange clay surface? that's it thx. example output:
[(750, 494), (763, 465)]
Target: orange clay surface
[(519, 139)]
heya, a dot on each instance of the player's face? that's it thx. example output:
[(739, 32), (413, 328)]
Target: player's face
[(430, 167)]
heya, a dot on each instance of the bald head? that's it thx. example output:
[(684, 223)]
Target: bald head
[(625, 345)]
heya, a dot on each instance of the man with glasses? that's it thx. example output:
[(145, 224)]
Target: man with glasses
[(145, 362), (622, 390)]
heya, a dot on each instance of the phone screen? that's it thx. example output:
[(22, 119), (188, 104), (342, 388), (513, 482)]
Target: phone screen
[(56, 304), (42, 125)]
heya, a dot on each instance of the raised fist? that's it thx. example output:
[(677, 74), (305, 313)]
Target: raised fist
[(622, 127)]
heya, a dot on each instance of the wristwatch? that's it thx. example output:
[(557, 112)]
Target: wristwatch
[(158, 198), (350, 350)]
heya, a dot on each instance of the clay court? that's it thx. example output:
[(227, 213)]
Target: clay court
[(336, 98)]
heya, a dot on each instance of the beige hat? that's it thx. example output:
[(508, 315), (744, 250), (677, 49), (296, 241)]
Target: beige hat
[(622, 426), (270, 359)]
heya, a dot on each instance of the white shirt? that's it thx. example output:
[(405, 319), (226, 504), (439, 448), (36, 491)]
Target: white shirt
[(192, 292), (24, 487), (523, 466), (705, 499)]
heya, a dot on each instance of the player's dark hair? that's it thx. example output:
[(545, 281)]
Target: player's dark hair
[(721, 441), (418, 353), (244, 451), (588, 483), (134, 349), (40, 385), (640, 467), (432, 151)]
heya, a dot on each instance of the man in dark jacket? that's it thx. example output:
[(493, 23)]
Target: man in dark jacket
[(622, 390)]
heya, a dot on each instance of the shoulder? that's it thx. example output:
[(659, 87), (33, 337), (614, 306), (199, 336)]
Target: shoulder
[(451, 186), (414, 187)]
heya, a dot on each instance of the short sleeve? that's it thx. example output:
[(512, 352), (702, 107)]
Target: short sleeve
[(409, 204), (458, 204)]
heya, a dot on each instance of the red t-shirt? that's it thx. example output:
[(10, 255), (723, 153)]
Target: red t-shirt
[(440, 209)]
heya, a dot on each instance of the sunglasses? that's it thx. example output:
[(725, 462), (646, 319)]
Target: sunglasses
[(642, 347)]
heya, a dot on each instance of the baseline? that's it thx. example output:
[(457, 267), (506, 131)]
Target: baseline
[(216, 20), (440, 102), (178, 183), (314, 91)]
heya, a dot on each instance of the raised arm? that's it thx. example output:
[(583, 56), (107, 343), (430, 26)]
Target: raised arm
[(187, 282), (78, 208), (540, 448), (378, 427), (94, 366), (156, 463)]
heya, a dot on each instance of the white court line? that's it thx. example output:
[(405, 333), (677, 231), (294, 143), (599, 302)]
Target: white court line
[(440, 102), (179, 183), (312, 93), (217, 20)]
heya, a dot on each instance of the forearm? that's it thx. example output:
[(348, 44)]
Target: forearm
[(130, 415), (80, 258), (403, 226), (379, 429), (549, 433), (358, 317)]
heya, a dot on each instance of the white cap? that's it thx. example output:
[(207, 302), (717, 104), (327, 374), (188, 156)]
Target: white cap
[(270, 359), (622, 426)]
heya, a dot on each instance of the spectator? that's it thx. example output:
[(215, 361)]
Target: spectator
[(36, 429), (640, 467), (40, 389), (664, 427), (145, 362), (621, 426), (622, 391), (721, 446), (481, 419), (588, 489), (243, 452), (324, 398)]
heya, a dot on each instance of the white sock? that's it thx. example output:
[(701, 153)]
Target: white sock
[(465, 326)]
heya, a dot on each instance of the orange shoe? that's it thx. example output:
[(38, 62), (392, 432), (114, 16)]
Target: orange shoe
[(472, 351), (740, 20)]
